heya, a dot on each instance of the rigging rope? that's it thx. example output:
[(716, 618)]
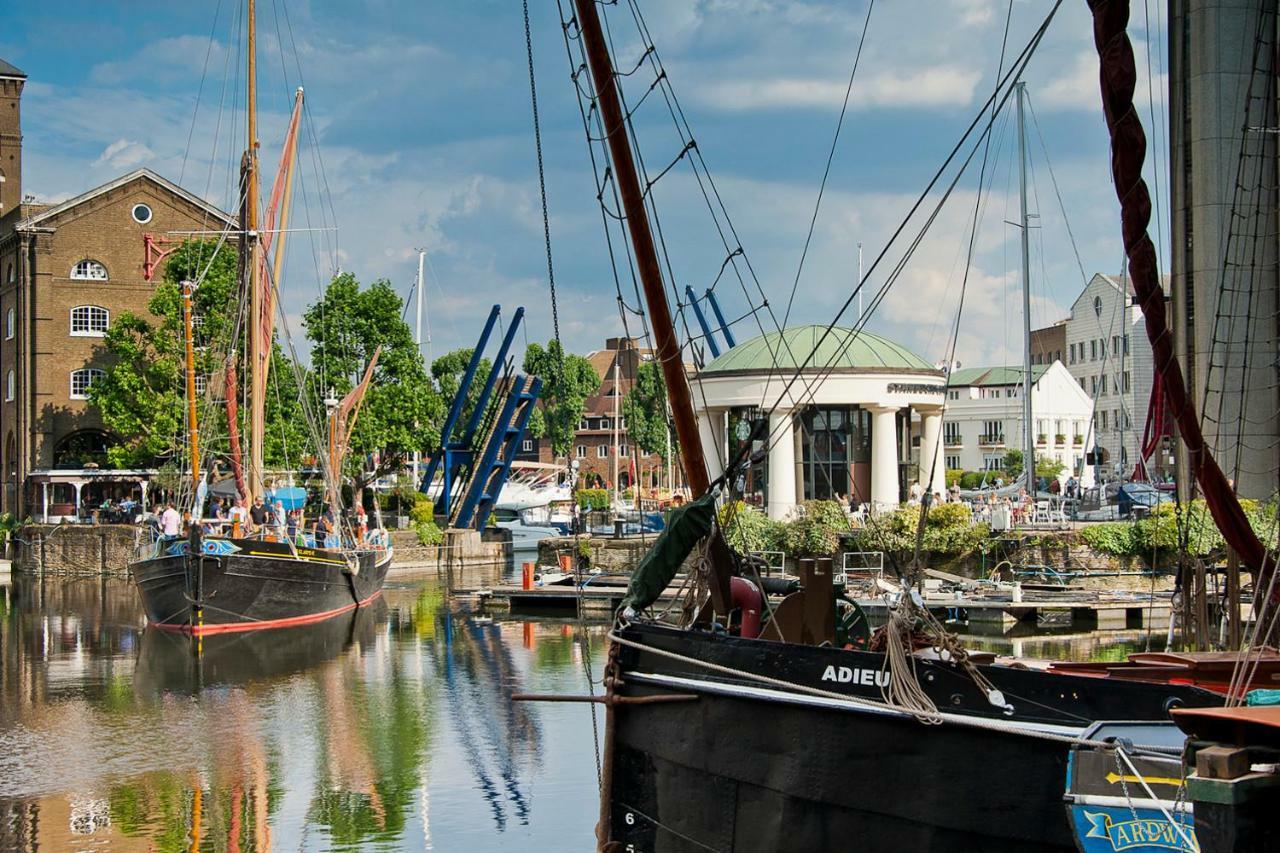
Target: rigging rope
[(831, 155)]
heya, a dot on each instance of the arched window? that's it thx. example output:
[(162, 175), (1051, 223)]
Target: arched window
[(82, 379), (9, 325), (89, 270), (11, 274), (11, 456), (81, 448), (9, 387), (1097, 306), (89, 321)]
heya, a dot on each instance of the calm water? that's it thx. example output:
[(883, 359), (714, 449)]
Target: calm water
[(391, 730)]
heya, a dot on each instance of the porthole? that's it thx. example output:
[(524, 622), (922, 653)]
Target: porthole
[(141, 214)]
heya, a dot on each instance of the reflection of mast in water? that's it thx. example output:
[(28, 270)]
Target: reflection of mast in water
[(489, 677)]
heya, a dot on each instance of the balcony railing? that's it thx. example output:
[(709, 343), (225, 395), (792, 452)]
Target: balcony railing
[(952, 440), (1077, 439), (991, 438), (1059, 438)]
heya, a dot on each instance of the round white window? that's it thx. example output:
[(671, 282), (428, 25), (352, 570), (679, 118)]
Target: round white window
[(141, 213)]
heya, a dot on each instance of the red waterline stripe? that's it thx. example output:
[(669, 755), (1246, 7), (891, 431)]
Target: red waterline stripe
[(262, 625)]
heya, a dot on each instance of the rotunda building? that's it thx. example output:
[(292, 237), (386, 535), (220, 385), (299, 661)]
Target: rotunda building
[(831, 423)]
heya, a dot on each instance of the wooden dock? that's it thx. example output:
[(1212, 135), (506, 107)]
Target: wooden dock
[(983, 615)]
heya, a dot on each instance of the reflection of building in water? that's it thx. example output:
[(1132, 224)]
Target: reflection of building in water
[(64, 632)]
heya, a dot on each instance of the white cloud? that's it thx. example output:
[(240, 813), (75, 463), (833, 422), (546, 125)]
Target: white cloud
[(1077, 86), (124, 154), (928, 87)]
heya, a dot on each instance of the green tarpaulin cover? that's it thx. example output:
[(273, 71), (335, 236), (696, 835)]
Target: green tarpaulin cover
[(685, 526)]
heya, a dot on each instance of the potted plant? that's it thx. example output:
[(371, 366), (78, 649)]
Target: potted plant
[(1059, 438)]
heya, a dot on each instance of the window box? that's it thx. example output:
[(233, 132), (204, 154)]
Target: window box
[(1042, 439), (1077, 439), (1059, 438)]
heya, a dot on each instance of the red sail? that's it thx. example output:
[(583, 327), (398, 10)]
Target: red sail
[(1118, 74)]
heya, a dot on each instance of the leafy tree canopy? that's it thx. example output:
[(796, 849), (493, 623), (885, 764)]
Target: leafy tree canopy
[(645, 408), (567, 382), (401, 412), (448, 370)]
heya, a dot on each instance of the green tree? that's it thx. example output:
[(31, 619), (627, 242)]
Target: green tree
[(645, 408), (1013, 464), (567, 382), (448, 369), (142, 396), (401, 412), (1047, 467)]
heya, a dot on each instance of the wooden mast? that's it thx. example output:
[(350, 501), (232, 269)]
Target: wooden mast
[(646, 255), (193, 426), (257, 398)]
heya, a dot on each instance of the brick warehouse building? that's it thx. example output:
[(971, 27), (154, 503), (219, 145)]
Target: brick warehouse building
[(66, 270)]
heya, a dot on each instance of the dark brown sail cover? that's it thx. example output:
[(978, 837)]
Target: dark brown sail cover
[(1118, 74)]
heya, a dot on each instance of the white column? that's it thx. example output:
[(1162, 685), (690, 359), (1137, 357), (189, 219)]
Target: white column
[(933, 463), (884, 457), (78, 486), (710, 429), (143, 483), (781, 497), (44, 499)]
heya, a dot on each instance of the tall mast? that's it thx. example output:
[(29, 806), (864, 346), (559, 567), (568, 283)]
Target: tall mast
[(193, 425), (257, 401), (666, 344), (1028, 445), (417, 339)]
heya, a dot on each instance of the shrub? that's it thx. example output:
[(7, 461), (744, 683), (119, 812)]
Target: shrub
[(422, 510), (1116, 538), (817, 530), (949, 530), (971, 480), (590, 499), (953, 476), (748, 529), (428, 532)]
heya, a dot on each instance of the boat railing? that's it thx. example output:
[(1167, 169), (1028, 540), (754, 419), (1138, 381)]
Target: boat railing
[(773, 561), (861, 565)]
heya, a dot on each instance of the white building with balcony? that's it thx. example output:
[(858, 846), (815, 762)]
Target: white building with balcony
[(983, 418)]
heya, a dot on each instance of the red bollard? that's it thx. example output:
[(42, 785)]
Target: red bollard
[(527, 577), (566, 563)]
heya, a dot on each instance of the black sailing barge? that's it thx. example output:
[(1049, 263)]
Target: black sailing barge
[(724, 737), (250, 584), (219, 581)]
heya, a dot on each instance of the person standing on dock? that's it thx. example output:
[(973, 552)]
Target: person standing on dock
[(170, 521)]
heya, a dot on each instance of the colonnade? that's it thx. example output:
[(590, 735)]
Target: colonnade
[(784, 479)]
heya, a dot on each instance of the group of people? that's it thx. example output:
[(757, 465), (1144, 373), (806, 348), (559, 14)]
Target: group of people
[(268, 521)]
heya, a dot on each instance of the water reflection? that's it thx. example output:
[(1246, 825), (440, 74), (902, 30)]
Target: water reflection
[(390, 728)]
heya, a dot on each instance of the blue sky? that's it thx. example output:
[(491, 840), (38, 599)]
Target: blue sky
[(420, 115)]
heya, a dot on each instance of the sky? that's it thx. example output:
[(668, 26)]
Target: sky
[(419, 135)]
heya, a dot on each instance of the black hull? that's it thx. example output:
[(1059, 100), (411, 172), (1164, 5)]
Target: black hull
[(258, 585), (750, 766)]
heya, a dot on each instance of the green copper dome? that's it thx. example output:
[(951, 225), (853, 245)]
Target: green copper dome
[(842, 349)]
